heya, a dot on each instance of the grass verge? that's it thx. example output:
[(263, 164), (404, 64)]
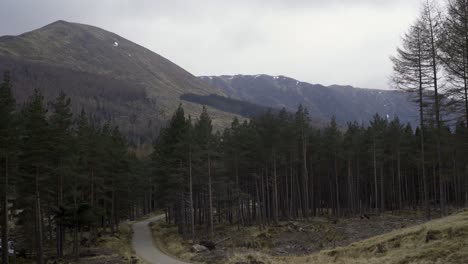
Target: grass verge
[(170, 242)]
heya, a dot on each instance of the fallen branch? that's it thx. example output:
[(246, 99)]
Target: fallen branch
[(222, 240)]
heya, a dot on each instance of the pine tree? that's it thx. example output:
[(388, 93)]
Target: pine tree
[(169, 160), (333, 139), (352, 145), (454, 50), (394, 135), (190, 143), (62, 150), (35, 164), (203, 130), (411, 74), (7, 152), (432, 28), (302, 126), (117, 169), (377, 130)]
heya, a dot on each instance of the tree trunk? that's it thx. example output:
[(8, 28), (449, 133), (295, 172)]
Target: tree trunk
[(337, 189), (257, 202), (421, 137), (291, 186), (305, 174), (238, 194), (113, 214), (5, 216), (39, 234), (59, 232), (275, 191), (192, 213), (437, 112), (400, 197), (382, 192), (75, 218), (210, 197), (350, 187), (375, 176)]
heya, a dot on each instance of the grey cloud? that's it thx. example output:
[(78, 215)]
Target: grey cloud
[(314, 40), (16, 14)]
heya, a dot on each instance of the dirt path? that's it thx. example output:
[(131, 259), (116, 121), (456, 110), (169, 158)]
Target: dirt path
[(145, 248)]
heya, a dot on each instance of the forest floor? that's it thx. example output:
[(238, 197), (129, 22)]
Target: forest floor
[(301, 241), (116, 249)]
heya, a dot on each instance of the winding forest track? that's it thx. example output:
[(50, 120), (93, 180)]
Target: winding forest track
[(144, 246)]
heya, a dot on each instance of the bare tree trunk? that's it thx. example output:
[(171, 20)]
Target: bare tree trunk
[(375, 176), (275, 191), (358, 184), (421, 137), (5, 216), (382, 192), (113, 214), (263, 204), (437, 109), (465, 80), (76, 245), (258, 214), (241, 213), (39, 234), (267, 194), (350, 187), (291, 185), (337, 189), (192, 213), (210, 197), (313, 195), (305, 175), (92, 197), (59, 232), (400, 198)]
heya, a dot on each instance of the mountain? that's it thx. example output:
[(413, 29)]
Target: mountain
[(121, 82), (346, 103), (113, 78)]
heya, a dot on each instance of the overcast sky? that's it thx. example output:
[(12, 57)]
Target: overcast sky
[(318, 41)]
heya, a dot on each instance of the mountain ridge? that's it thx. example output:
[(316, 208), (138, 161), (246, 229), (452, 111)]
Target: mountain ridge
[(118, 80), (346, 103)]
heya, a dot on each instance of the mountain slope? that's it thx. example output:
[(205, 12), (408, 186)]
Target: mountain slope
[(344, 102), (93, 50), (103, 73)]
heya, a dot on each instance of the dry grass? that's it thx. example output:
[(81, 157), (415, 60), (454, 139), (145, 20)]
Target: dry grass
[(121, 242), (170, 242), (443, 241), (251, 258), (115, 249)]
